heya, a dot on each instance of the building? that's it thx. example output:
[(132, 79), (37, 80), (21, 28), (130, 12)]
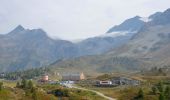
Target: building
[(124, 81), (44, 78), (73, 76), (104, 83)]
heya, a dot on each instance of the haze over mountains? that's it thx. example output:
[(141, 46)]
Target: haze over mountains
[(142, 38)]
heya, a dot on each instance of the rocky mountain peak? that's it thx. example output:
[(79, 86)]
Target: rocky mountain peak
[(131, 24), (167, 11), (153, 16), (161, 18), (18, 29)]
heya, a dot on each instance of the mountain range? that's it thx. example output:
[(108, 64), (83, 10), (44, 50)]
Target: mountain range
[(148, 47), (24, 48), (30, 48), (134, 44)]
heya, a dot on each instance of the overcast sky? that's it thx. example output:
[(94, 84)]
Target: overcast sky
[(73, 19)]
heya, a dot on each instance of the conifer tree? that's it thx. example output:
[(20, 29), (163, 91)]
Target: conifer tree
[(154, 90), (140, 95), (161, 87), (24, 83), (167, 92), (161, 96), (34, 94), (18, 84), (30, 84)]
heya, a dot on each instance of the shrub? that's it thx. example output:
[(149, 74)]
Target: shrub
[(154, 90), (161, 97), (1, 85)]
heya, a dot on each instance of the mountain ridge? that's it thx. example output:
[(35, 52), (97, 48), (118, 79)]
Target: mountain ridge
[(27, 48), (131, 24), (146, 49)]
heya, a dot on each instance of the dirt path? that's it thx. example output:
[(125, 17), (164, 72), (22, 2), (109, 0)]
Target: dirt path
[(98, 93)]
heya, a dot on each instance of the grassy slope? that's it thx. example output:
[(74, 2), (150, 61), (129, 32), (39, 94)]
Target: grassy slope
[(129, 92), (7, 95), (93, 65), (74, 94), (11, 93)]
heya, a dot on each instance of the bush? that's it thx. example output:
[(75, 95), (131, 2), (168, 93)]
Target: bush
[(78, 91), (61, 93), (18, 85), (167, 92), (140, 95), (154, 90), (34, 95), (1, 85), (30, 84), (24, 83), (161, 87), (161, 97)]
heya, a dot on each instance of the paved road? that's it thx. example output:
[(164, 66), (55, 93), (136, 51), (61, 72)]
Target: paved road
[(98, 93)]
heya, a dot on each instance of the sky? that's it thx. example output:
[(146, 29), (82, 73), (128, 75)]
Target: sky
[(73, 19)]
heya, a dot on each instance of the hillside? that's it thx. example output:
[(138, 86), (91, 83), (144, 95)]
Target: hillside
[(92, 65), (101, 44)]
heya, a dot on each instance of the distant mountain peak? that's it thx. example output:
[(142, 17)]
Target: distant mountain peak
[(168, 10), (161, 18), (18, 29), (40, 30), (132, 24), (153, 16), (137, 17)]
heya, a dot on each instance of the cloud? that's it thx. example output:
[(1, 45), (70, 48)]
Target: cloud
[(73, 19)]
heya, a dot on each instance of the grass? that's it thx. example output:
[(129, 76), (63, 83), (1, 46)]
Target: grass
[(129, 92), (6, 94), (11, 84), (126, 92), (84, 95), (48, 87), (9, 91), (74, 94), (43, 96), (111, 92)]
